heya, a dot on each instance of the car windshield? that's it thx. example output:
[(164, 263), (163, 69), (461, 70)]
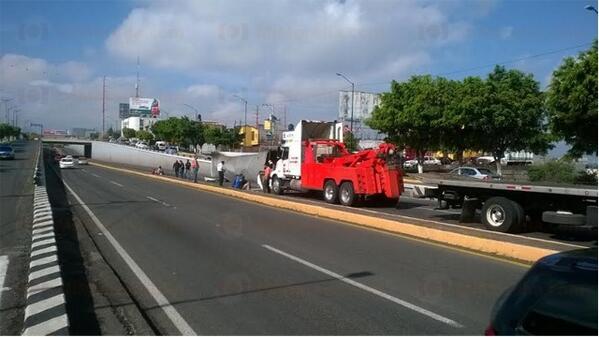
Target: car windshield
[(5, 148), (485, 171)]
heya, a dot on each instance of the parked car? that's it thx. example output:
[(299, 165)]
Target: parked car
[(142, 145), (428, 160), (170, 150), (66, 163), (82, 161), (480, 173), (7, 152), (557, 296), (160, 145), (133, 141)]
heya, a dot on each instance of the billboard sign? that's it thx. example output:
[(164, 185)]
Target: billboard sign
[(123, 110), (144, 107), (364, 103)]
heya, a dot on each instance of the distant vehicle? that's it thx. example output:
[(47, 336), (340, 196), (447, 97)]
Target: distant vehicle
[(509, 158), (142, 145), (112, 140), (82, 161), (475, 173), (428, 160), (170, 150), (557, 296), (66, 163), (160, 145), (7, 152), (133, 141)]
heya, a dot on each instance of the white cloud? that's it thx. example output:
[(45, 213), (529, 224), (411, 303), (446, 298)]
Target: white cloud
[(203, 90)]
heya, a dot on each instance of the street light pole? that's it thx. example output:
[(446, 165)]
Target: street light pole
[(245, 109), (351, 123), (194, 109)]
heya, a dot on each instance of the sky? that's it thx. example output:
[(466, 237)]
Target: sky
[(54, 54)]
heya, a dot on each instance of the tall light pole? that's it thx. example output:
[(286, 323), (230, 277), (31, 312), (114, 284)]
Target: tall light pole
[(351, 123), (103, 104), (591, 8), (194, 109), (245, 111)]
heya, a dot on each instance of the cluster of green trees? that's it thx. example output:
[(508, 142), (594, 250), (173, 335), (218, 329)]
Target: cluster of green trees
[(504, 111), (7, 130), (184, 132)]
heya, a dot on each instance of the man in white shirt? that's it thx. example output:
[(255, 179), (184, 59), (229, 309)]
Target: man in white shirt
[(220, 167)]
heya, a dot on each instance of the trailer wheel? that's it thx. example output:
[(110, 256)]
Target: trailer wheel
[(347, 196), (276, 185), (331, 192), (501, 215)]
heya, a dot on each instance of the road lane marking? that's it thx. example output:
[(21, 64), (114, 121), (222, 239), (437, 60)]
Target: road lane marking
[(159, 201), (170, 311), (367, 288), (3, 268), (115, 183), (44, 305), (43, 272), (95, 175), (47, 327)]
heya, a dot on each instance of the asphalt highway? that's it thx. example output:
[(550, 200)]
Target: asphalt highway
[(202, 263), (16, 202)]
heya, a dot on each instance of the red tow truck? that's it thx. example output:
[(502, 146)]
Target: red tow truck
[(313, 157)]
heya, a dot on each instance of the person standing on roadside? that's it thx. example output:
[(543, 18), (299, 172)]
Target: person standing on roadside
[(195, 166), (220, 168), (181, 169), (266, 179), (176, 168), (188, 169)]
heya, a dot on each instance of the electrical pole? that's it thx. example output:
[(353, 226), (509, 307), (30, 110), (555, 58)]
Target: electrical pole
[(257, 117), (103, 103)]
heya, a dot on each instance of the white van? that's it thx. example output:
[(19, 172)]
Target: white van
[(160, 145)]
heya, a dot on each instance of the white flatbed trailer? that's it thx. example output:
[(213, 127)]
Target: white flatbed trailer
[(505, 206)]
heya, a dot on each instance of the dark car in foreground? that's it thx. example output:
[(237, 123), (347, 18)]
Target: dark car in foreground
[(557, 296), (7, 152)]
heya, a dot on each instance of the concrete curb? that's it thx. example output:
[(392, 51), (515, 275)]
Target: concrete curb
[(513, 251), (45, 311)]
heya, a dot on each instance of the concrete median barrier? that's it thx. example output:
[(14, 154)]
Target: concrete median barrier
[(508, 250)]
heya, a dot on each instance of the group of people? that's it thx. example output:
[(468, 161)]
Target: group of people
[(184, 170)]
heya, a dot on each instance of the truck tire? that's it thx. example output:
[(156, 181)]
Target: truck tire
[(501, 215), (276, 185), (347, 196), (330, 192), (564, 219)]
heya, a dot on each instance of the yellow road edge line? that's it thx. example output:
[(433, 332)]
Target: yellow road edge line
[(506, 251)]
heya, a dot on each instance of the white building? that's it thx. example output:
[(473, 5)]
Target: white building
[(138, 123)]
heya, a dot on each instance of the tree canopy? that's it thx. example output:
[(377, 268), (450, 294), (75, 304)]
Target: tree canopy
[(144, 135), (219, 136), (180, 131), (572, 102), (128, 133), (500, 113), (7, 130)]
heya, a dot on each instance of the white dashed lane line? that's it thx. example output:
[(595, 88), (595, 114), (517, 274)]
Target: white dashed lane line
[(115, 183), (159, 201), (368, 289)]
